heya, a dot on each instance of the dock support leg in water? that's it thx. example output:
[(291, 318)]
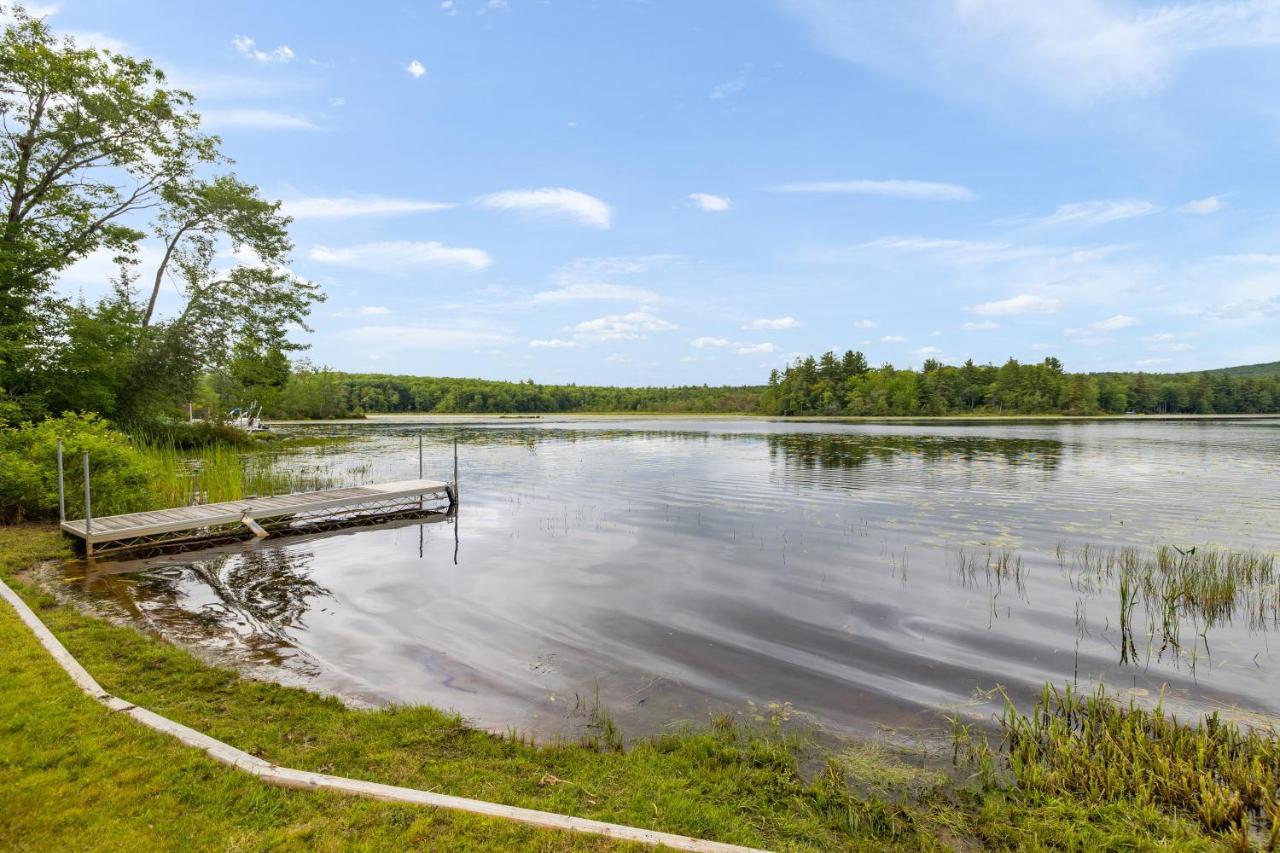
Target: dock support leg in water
[(88, 508), (255, 527)]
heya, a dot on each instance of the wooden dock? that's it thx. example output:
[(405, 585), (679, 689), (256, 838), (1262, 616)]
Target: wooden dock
[(256, 515)]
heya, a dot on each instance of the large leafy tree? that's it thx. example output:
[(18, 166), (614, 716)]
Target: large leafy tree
[(97, 153)]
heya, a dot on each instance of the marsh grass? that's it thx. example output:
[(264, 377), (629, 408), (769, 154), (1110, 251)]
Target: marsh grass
[(1199, 587), (1092, 746), (218, 472)]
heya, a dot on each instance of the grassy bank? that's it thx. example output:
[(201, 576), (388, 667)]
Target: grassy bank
[(71, 774)]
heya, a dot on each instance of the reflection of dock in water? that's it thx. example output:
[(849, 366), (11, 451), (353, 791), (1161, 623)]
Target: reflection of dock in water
[(297, 513)]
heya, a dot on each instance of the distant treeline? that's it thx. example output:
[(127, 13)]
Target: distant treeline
[(847, 385), (828, 385), (319, 393)]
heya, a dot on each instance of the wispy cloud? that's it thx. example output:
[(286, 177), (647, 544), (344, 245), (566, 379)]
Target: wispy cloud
[(248, 48), (739, 347), (258, 119), (1253, 309), (399, 256), (596, 291), (1023, 303), (1203, 206), (981, 326), (732, 86), (321, 207), (773, 323), (711, 203), (635, 325), (1087, 214), (927, 190), (586, 209), (552, 343), (1071, 54), (893, 339), (1254, 258)]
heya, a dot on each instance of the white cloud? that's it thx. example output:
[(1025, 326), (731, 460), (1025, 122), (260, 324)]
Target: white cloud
[(248, 48), (587, 209), (711, 203), (1071, 54), (1024, 303), (92, 274), (635, 325), (1160, 337), (373, 310), (1202, 206), (553, 343), (331, 207), (1119, 321), (597, 291), (710, 343), (101, 41), (756, 349), (1151, 362), (893, 339), (983, 326), (1087, 214), (929, 190), (866, 324), (400, 256), (416, 69), (926, 352), (773, 323), (259, 119)]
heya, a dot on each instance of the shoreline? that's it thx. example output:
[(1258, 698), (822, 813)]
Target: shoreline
[(552, 417)]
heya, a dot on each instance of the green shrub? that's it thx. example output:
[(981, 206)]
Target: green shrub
[(186, 435), (120, 475)]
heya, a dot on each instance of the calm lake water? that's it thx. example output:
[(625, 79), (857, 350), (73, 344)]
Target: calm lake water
[(871, 575)]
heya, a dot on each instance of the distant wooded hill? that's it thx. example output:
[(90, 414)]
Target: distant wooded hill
[(1270, 368)]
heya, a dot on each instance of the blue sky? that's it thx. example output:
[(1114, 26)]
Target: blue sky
[(666, 191)]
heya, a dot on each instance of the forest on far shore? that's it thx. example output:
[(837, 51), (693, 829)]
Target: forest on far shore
[(826, 385)]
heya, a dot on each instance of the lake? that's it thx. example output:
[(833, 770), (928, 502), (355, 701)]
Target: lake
[(866, 576)]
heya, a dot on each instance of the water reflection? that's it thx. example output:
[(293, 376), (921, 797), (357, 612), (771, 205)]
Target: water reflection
[(826, 452)]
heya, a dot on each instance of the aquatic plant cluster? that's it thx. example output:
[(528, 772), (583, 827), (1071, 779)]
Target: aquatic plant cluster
[(1203, 585), (1095, 747)]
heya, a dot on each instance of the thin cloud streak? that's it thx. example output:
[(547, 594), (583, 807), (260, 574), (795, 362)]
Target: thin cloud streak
[(924, 190)]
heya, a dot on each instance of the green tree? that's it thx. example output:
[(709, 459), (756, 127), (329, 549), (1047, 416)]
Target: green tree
[(97, 151)]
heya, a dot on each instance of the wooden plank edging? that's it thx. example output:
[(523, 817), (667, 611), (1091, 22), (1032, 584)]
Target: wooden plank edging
[(286, 777)]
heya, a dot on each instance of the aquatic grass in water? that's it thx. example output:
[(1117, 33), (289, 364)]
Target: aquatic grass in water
[(1200, 585), (1094, 747)]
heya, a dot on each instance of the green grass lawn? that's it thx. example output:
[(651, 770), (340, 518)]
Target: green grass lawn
[(72, 774)]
